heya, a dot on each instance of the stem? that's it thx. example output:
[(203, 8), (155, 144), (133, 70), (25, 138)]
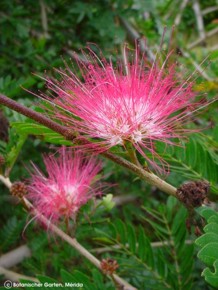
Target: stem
[(200, 40), (44, 18), (38, 117), (180, 11), (15, 276), (132, 154), (6, 181), (64, 131), (149, 177), (199, 19), (161, 244), (15, 256), (72, 241)]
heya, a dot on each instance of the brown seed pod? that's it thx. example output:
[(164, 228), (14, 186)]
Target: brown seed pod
[(193, 194)]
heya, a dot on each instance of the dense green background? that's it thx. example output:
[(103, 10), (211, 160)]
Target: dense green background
[(37, 36)]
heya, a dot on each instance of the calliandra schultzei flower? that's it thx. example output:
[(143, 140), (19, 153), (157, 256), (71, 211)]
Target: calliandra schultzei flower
[(69, 184), (112, 105)]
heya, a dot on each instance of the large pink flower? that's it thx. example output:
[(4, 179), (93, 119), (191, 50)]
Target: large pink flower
[(69, 184), (113, 105)]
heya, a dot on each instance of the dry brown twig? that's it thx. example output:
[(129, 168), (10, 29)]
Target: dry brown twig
[(199, 19)]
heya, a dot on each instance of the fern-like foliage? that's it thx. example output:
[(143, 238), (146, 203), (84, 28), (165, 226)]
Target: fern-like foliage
[(16, 142), (77, 280), (10, 233), (208, 243), (198, 160), (163, 265), (169, 226)]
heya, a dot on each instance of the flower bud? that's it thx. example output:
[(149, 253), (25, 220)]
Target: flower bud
[(109, 266), (18, 189)]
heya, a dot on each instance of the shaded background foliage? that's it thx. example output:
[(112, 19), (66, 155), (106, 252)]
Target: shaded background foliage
[(36, 35)]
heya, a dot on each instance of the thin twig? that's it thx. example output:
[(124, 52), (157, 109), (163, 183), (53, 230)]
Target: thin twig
[(44, 19), (134, 36), (122, 199), (212, 48), (199, 19), (209, 10), (149, 177), (13, 276), (71, 241), (199, 40), (15, 256), (179, 15), (38, 117), (78, 57), (196, 65), (153, 245)]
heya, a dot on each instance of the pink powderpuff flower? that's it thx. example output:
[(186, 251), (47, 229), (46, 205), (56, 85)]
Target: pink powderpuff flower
[(137, 102), (69, 184)]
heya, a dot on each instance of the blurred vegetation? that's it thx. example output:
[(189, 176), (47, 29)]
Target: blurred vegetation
[(37, 36)]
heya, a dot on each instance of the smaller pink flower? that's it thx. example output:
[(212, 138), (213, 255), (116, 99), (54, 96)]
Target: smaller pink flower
[(69, 184)]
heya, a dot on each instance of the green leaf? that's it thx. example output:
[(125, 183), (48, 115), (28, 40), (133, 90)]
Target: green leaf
[(206, 239), (98, 278), (209, 254), (11, 232), (209, 245), (171, 204), (185, 161), (49, 282), (211, 227), (206, 212), (76, 277), (13, 148), (121, 231), (131, 237), (142, 244), (211, 277), (45, 279), (178, 219), (42, 132)]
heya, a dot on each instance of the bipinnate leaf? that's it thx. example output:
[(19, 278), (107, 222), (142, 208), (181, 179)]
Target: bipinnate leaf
[(186, 161)]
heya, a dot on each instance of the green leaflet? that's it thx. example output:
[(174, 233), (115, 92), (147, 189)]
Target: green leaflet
[(68, 280), (208, 243), (42, 132), (13, 148), (197, 159)]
